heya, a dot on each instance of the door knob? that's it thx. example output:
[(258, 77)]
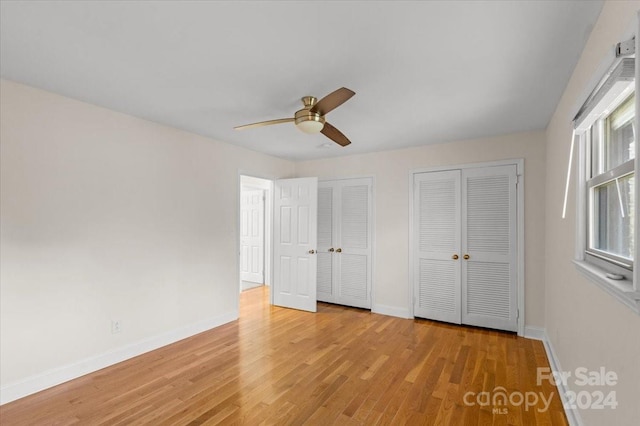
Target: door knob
[(339, 250), (466, 257), (312, 251), (454, 257), (331, 250)]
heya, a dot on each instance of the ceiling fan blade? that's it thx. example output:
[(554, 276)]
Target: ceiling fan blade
[(335, 135), (264, 123), (332, 100)]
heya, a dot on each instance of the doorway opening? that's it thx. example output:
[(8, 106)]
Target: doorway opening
[(255, 232)]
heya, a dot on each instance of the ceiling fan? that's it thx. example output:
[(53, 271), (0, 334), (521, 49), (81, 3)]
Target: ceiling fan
[(311, 118)]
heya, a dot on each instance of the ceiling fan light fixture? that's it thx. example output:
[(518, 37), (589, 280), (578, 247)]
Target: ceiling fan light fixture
[(310, 126), (309, 122)]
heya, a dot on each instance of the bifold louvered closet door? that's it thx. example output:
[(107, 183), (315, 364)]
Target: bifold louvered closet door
[(437, 219), (344, 242), (465, 247)]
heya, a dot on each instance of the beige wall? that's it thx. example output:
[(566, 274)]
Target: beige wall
[(586, 326), (391, 171), (106, 216)]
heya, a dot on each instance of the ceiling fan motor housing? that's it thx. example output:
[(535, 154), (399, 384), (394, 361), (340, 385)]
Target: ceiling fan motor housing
[(307, 121)]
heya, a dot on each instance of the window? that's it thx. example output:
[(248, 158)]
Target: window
[(610, 185), (607, 204)]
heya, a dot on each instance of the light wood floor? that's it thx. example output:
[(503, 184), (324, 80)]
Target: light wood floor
[(281, 366)]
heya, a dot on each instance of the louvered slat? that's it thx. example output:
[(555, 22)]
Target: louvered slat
[(438, 208), (355, 216), (488, 214), (488, 289), (353, 278), (437, 282), (325, 219), (325, 281)]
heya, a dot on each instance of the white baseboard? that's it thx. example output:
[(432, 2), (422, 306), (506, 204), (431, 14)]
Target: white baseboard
[(535, 333), (572, 415), (59, 375), (392, 311)]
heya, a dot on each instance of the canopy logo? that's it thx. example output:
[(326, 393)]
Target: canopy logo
[(596, 399), (499, 399)]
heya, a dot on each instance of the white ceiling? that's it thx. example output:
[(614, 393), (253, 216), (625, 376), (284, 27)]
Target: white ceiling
[(423, 72)]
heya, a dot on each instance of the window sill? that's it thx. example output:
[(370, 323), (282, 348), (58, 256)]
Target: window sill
[(620, 290)]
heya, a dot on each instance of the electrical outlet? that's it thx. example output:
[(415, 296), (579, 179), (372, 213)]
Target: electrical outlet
[(116, 326)]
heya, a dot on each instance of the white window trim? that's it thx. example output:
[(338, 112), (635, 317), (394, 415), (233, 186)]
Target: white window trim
[(625, 291), (622, 290)]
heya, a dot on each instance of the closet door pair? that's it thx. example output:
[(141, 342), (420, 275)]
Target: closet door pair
[(344, 242), (465, 260)]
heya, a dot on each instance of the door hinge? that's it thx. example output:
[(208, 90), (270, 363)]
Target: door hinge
[(517, 179), (517, 313)]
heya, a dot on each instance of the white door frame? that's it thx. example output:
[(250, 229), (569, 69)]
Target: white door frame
[(519, 163)]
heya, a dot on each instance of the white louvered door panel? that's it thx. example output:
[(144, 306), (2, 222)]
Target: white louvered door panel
[(489, 239), (353, 263), (326, 237), (437, 222)]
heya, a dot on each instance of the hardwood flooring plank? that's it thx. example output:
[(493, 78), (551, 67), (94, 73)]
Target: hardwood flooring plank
[(340, 365)]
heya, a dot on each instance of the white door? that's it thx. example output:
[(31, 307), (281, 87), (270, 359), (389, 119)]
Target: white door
[(252, 236), (344, 242), (294, 243), (354, 251), (437, 244), (489, 247), (327, 241)]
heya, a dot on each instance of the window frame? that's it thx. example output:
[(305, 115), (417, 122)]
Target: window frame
[(590, 262), (617, 264)]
